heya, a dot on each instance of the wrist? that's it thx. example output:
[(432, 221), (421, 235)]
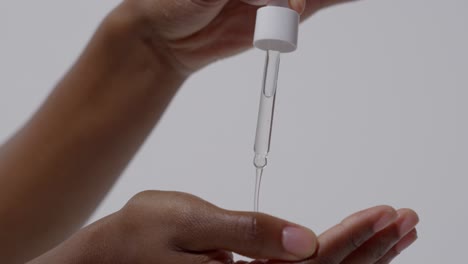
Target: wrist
[(129, 23)]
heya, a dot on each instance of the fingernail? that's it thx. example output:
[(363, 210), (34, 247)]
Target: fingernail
[(298, 5), (408, 224), (299, 242), (384, 221)]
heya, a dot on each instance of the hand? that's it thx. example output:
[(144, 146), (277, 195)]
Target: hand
[(103, 109), (167, 227), (197, 32), (373, 236)]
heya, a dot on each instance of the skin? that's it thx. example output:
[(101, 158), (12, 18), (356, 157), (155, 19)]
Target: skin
[(97, 117), (169, 227)]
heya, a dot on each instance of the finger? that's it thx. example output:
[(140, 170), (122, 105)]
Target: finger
[(316, 5), (396, 250), (298, 5), (343, 239), (216, 257), (181, 18), (208, 257), (255, 235), (403, 244), (378, 246), (256, 2)]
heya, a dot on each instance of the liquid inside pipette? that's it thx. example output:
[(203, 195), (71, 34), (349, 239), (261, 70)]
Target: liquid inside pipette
[(265, 118)]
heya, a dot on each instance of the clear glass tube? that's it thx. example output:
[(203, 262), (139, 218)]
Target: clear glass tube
[(265, 118), (266, 109)]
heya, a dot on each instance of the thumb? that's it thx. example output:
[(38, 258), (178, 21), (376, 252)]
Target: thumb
[(254, 235)]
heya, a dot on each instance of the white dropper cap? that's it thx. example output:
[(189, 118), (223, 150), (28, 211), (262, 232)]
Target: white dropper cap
[(276, 27)]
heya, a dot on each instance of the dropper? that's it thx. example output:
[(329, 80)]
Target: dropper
[(276, 32)]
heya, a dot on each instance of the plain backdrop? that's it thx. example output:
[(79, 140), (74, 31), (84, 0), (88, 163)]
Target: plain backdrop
[(370, 110)]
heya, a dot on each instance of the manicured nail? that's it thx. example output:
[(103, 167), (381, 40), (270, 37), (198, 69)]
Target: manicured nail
[(384, 221), (299, 242)]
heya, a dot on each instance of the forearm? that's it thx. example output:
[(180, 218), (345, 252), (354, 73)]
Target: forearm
[(57, 168)]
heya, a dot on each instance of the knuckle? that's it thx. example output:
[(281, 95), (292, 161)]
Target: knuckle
[(153, 204), (140, 197), (134, 212), (175, 212), (136, 202)]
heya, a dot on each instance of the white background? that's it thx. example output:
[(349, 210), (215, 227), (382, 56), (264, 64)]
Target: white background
[(370, 110)]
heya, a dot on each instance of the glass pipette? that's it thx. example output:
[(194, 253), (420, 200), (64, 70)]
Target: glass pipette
[(266, 109), (265, 117), (276, 31)]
